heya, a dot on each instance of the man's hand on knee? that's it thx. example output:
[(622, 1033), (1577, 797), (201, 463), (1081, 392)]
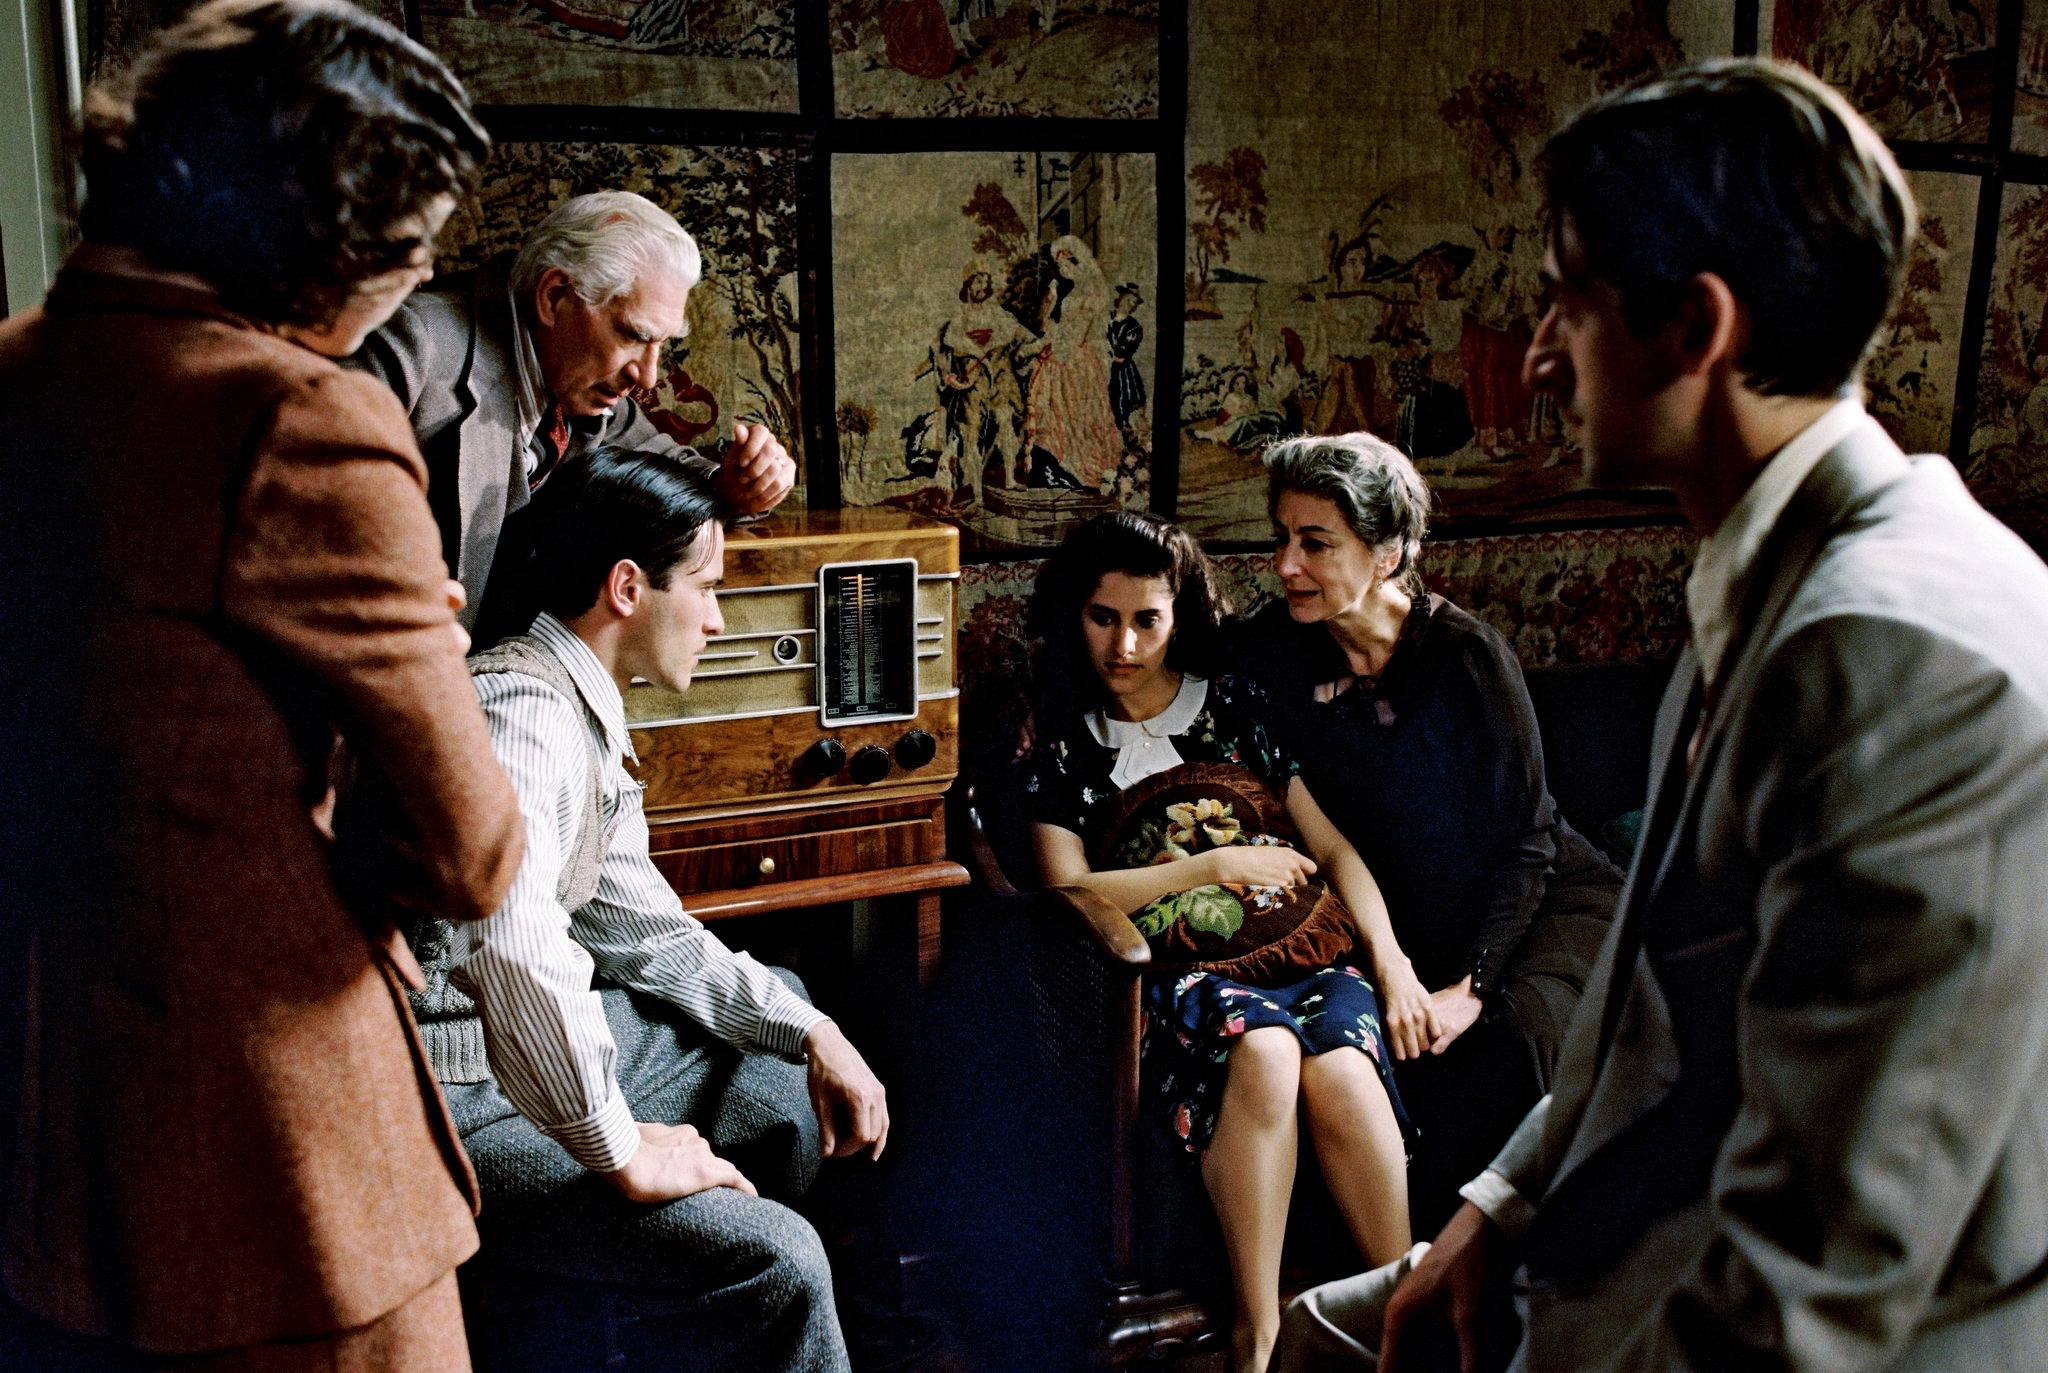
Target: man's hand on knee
[(674, 1161), (852, 1107), (1451, 1285)]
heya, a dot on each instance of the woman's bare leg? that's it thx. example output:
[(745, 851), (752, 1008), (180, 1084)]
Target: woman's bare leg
[(1358, 1143), (1249, 1170)]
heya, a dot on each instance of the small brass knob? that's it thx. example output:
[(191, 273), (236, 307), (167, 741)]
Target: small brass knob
[(767, 867)]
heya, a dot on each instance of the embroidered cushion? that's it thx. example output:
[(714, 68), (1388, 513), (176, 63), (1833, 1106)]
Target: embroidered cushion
[(1260, 936)]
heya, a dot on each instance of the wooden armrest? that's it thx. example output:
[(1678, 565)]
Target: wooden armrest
[(1116, 938), (984, 854)]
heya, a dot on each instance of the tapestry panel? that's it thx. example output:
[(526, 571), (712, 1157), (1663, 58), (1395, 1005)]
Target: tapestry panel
[(993, 324), (1076, 59), (739, 360), (1364, 234), (114, 29), (1584, 596), (1910, 377), (671, 54), (2008, 464), (1917, 69), (2030, 104)]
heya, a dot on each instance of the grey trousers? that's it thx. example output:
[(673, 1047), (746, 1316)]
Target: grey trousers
[(1337, 1325), (714, 1281)]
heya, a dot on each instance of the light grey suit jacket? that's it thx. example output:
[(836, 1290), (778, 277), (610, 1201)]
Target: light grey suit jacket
[(447, 353), (1873, 785)]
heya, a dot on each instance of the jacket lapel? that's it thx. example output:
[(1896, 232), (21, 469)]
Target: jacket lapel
[(1626, 1053), (491, 471)]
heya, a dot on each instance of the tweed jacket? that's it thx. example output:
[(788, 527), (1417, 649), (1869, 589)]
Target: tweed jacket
[(448, 354), (218, 544), (1868, 812)]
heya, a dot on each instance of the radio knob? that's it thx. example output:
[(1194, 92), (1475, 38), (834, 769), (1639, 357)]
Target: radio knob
[(823, 759), (870, 765), (916, 748)]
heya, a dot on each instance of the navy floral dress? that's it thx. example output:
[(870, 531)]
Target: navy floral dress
[(1192, 1021)]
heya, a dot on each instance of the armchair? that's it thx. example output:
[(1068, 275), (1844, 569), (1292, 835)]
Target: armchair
[(1076, 967)]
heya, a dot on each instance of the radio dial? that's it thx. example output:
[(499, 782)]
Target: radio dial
[(870, 765), (823, 759), (915, 749)]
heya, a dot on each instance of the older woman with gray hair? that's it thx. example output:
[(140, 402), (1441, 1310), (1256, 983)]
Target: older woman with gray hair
[(1414, 728), (508, 370)]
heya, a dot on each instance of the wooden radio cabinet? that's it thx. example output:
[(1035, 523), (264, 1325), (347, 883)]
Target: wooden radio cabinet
[(808, 762)]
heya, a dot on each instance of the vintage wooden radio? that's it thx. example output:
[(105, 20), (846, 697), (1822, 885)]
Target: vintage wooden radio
[(808, 762)]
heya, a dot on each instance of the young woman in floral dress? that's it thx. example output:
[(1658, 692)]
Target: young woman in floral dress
[(1120, 613)]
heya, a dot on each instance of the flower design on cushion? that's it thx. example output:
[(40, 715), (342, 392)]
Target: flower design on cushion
[(1208, 817)]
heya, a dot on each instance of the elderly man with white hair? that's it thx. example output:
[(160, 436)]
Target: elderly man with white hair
[(507, 369)]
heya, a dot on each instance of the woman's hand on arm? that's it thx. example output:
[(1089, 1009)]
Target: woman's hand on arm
[(1406, 1011), (1457, 1010), (1063, 862), (1255, 865)]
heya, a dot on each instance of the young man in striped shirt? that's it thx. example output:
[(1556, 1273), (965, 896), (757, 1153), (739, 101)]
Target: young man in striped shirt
[(684, 1063)]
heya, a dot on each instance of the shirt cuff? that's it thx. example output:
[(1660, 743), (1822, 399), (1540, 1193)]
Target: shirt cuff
[(1503, 1205), (784, 1025), (603, 1141)]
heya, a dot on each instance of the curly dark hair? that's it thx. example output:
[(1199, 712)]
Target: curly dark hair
[(1064, 683), (277, 148)]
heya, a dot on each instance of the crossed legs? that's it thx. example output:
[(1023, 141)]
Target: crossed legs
[(1249, 1168)]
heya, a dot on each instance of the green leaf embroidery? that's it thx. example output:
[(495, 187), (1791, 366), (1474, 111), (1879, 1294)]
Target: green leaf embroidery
[(1155, 918), (1212, 909)]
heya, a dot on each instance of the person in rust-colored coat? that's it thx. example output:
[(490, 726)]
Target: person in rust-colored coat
[(229, 1144)]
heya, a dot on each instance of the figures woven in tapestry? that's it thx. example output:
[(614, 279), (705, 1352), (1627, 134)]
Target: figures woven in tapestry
[(1077, 59), (672, 54), (993, 327)]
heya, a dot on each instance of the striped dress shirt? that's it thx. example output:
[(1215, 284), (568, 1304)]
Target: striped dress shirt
[(529, 965)]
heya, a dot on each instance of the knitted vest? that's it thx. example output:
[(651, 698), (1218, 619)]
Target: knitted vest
[(449, 1020)]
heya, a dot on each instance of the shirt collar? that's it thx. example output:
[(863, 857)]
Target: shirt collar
[(1175, 719), (1715, 591), (600, 692)]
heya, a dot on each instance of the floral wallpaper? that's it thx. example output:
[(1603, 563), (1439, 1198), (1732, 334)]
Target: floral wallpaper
[(1580, 596)]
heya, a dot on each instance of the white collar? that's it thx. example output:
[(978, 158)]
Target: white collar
[(1146, 746), (600, 692), (1714, 592)]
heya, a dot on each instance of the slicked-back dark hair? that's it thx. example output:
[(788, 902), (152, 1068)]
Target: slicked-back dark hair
[(1753, 170), (1064, 681), (611, 504), (275, 147)]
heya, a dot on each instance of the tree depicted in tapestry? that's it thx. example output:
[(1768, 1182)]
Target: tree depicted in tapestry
[(1077, 59), (992, 316), (708, 54), (2008, 463), (1364, 240), (1909, 378), (739, 360), (1917, 69)]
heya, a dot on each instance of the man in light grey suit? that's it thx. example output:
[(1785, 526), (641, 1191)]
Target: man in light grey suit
[(508, 369), (1800, 1120)]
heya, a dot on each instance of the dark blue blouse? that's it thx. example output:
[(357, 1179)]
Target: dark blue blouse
[(1435, 774)]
